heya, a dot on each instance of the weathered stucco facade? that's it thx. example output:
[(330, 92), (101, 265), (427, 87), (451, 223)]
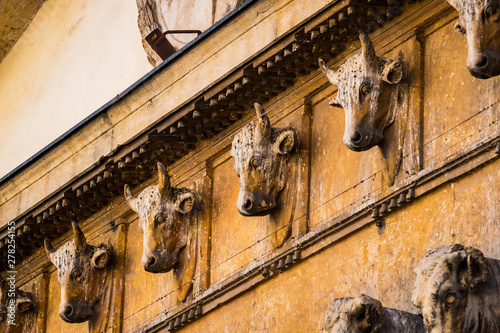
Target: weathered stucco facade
[(345, 222)]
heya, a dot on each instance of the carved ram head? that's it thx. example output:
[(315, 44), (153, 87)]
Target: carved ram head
[(15, 306), (82, 270), (480, 21), (167, 219), (260, 156), (457, 290), (367, 90), (364, 314)]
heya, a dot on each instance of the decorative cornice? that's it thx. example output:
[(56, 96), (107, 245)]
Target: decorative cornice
[(270, 73)]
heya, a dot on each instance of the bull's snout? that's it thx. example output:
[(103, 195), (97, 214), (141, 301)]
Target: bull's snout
[(485, 64), (158, 262), (360, 138), (74, 312), (254, 204)]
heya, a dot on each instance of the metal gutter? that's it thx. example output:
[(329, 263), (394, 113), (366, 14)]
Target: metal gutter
[(127, 91)]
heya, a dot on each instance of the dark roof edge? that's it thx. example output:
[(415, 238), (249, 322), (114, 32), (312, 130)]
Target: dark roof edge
[(127, 91)]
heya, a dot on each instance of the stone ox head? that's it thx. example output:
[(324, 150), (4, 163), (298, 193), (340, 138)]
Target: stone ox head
[(15, 305), (367, 90), (364, 314), (260, 158), (458, 291), (82, 270), (479, 20), (166, 218)]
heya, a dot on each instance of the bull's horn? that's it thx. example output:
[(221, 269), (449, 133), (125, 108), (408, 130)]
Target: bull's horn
[(331, 75), (131, 200), (80, 239), (263, 130), (164, 186), (48, 247), (367, 49)]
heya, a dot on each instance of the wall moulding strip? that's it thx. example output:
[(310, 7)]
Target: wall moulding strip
[(469, 159), (220, 106)]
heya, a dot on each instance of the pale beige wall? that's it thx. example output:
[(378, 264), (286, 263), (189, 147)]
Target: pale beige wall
[(73, 58)]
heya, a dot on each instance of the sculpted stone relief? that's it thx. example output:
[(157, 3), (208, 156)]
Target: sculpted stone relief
[(261, 161), (17, 308), (458, 290), (479, 21), (364, 314), (179, 15), (372, 93), (168, 220), (84, 272)]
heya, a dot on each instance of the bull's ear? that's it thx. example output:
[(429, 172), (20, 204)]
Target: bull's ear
[(80, 240), (335, 102), (101, 258), (24, 304), (285, 141), (393, 72), (370, 314), (186, 202), (477, 268)]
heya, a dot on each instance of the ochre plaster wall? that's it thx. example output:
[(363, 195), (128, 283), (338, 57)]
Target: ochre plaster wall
[(375, 260), (73, 58), (369, 262)]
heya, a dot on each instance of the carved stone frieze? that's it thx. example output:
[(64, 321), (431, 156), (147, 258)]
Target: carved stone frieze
[(168, 218), (458, 290), (16, 309), (364, 314), (372, 93), (479, 20), (84, 272), (220, 106)]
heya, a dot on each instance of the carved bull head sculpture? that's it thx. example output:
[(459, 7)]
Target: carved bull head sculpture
[(364, 314), (458, 290), (372, 95), (365, 90), (82, 272), (480, 21), (167, 219), (260, 156), (17, 307)]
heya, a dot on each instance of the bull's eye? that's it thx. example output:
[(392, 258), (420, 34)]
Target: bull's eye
[(450, 298), (76, 273), (160, 218), (365, 88), (255, 162)]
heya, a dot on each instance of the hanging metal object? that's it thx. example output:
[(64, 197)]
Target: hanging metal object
[(160, 44)]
